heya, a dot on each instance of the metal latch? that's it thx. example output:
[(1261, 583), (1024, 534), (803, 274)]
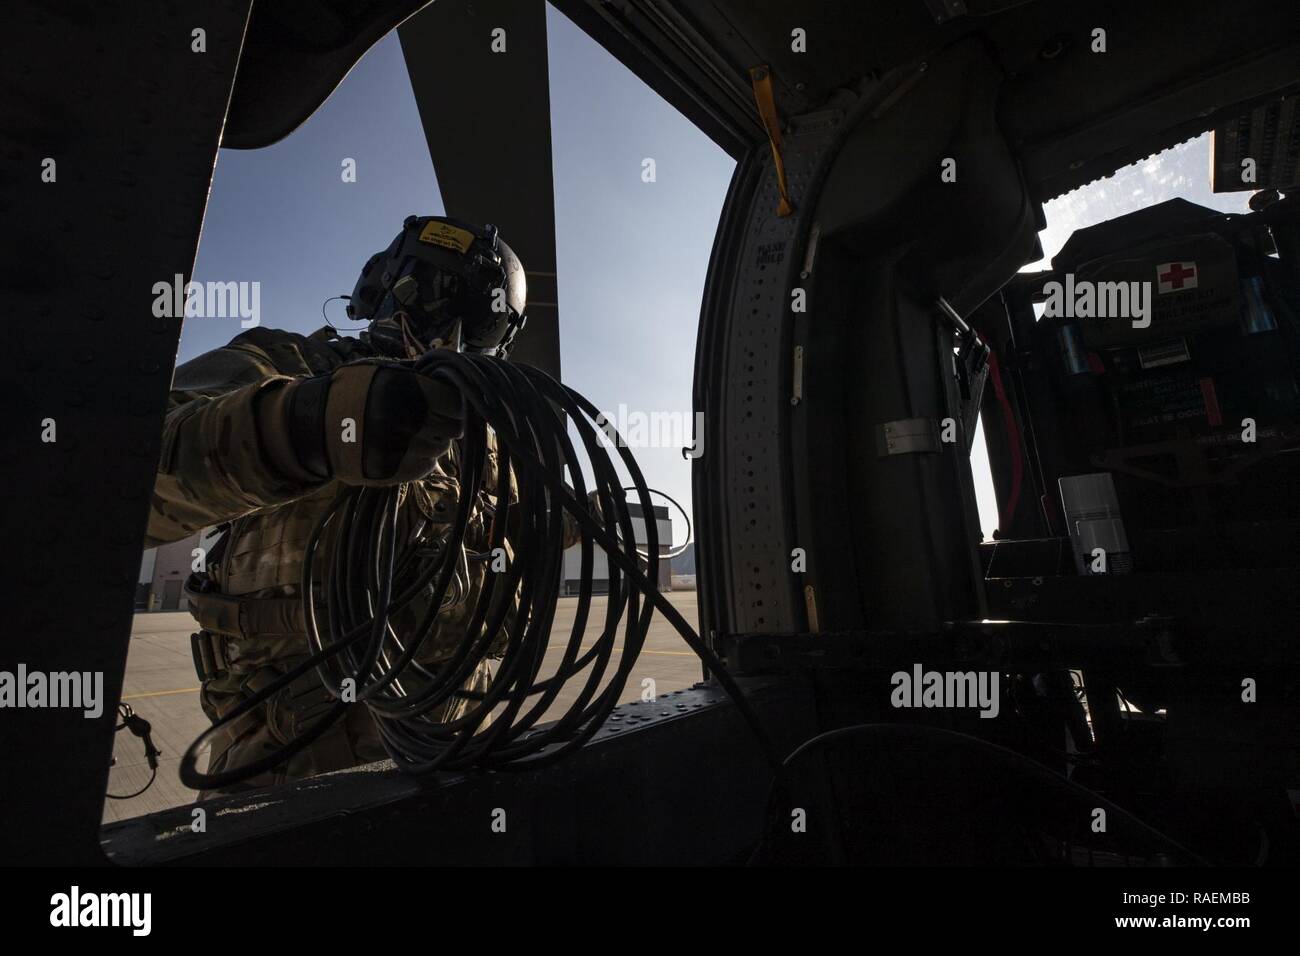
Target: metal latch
[(796, 395)]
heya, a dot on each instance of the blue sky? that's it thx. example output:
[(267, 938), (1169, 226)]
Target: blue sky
[(631, 255)]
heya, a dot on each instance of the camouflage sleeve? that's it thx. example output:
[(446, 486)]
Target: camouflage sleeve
[(217, 463)]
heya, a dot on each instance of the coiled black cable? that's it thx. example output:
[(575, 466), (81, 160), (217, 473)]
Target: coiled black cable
[(368, 576)]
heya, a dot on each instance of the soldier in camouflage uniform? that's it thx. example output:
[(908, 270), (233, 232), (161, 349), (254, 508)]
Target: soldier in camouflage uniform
[(254, 440)]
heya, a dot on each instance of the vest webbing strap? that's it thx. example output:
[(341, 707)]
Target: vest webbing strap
[(761, 77), (245, 618)]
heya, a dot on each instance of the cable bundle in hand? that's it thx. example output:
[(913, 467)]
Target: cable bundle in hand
[(351, 597)]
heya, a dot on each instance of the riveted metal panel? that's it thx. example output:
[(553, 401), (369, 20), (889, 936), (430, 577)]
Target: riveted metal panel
[(757, 369)]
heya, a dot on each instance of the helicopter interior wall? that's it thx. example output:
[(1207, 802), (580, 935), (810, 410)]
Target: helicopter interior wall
[(911, 523), (1072, 112), (896, 534), (935, 175)]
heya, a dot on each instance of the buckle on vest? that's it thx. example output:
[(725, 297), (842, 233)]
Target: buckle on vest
[(209, 661), (257, 681)]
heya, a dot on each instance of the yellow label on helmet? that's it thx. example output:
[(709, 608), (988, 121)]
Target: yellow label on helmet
[(448, 236)]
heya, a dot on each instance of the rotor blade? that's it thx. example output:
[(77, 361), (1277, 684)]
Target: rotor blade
[(479, 73)]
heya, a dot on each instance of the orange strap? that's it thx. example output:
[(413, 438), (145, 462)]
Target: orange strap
[(761, 77)]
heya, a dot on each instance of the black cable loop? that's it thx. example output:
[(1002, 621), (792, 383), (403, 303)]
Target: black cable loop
[(359, 573)]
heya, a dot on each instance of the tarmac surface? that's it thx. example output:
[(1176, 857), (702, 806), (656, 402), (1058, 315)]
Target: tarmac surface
[(162, 687)]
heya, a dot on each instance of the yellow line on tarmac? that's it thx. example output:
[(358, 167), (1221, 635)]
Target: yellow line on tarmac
[(162, 693)]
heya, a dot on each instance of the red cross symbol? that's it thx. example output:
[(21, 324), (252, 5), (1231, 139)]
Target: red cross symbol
[(1177, 273)]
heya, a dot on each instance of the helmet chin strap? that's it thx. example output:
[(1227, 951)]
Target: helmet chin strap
[(409, 342), (399, 334), (415, 346)]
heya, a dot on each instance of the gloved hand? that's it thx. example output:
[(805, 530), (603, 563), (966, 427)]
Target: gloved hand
[(372, 422)]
